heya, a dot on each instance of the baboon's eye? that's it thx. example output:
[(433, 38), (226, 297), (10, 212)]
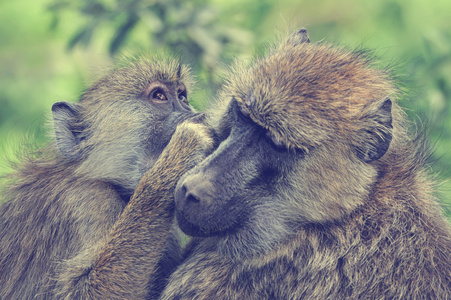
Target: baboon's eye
[(182, 97), (276, 141), (159, 95)]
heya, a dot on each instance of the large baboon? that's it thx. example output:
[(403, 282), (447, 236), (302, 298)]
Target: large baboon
[(70, 228), (317, 190)]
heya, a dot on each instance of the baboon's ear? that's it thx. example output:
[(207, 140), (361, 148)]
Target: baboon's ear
[(373, 141), (65, 115), (300, 37)]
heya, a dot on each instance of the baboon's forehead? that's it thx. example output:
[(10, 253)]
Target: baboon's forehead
[(166, 71), (132, 79), (163, 70), (320, 74), (306, 93)]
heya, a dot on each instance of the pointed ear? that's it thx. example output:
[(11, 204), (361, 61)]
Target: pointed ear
[(373, 141), (300, 37), (66, 115)]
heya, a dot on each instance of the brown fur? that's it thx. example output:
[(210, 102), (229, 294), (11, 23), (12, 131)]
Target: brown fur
[(317, 190), (126, 259), (68, 229)]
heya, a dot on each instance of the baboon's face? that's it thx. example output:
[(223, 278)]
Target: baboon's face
[(124, 121), (246, 170), (300, 135)]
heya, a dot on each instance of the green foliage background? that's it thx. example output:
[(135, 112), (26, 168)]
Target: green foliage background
[(50, 50)]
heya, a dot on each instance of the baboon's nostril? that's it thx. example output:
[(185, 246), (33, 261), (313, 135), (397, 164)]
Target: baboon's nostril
[(190, 198)]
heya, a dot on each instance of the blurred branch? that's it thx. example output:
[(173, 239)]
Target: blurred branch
[(193, 30)]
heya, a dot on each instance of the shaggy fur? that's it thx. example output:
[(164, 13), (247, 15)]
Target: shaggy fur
[(66, 231), (317, 191)]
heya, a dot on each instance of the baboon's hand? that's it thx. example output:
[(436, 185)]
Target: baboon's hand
[(189, 145)]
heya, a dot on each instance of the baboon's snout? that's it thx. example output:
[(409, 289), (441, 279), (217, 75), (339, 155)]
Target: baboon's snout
[(194, 194)]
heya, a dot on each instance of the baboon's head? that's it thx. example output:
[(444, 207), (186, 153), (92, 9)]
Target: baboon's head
[(301, 131), (122, 122)]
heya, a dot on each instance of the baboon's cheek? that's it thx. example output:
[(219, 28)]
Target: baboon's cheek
[(334, 185)]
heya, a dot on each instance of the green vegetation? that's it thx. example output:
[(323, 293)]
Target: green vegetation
[(51, 49)]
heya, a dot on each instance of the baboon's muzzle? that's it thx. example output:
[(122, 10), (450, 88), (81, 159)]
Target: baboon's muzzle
[(208, 198)]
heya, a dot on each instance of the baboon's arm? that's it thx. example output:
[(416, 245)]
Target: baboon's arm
[(121, 266)]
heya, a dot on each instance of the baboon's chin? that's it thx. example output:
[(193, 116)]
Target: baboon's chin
[(202, 230), (191, 229)]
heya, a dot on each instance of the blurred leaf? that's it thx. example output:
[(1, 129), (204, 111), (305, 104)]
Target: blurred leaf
[(122, 33), (94, 9), (151, 20), (82, 37), (54, 23), (55, 8)]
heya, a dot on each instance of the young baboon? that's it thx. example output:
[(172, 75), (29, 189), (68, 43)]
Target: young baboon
[(70, 228), (317, 191)]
